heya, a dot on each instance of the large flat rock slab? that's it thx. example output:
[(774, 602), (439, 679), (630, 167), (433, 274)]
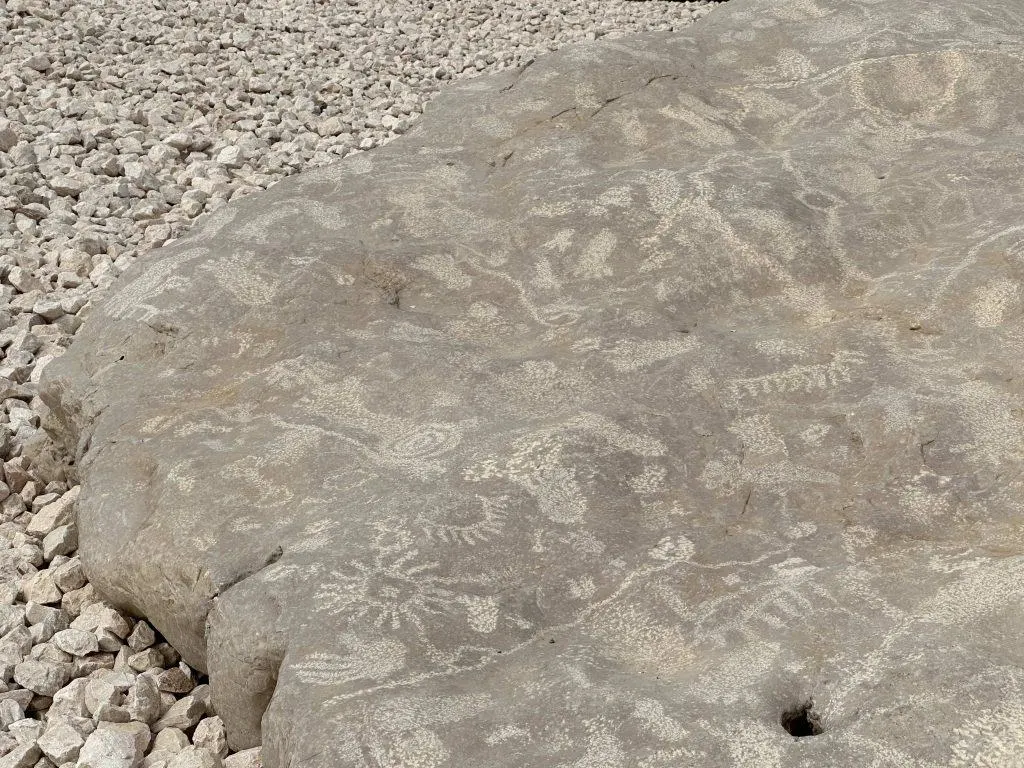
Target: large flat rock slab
[(626, 404)]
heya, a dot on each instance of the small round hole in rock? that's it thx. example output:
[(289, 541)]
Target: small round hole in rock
[(802, 720)]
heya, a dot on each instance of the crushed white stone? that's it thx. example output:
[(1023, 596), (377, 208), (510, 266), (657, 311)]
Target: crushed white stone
[(115, 745), (210, 733), (21, 756), (246, 758), (143, 701), (61, 743), (77, 642), (195, 757), (183, 714), (42, 677), (142, 637)]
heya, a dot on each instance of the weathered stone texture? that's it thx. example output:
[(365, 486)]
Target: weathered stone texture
[(626, 402)]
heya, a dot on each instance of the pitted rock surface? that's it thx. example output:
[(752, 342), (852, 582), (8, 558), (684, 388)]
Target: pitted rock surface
[(625, 404)]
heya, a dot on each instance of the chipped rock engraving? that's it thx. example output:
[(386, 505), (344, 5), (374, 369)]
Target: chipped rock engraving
[(658, 406)]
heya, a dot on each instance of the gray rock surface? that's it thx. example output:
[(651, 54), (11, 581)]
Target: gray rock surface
[(627, 405)]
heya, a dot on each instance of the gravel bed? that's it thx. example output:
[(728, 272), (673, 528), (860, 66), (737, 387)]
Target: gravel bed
[(121, 122)]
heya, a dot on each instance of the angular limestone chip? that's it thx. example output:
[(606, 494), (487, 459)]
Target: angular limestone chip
[(61, 743), (142, 637), (183, 714), (77, 642), (195, 757), (115, 745), (170, 741), (42, 677), (210, 733), (247, 758), (22, 756), (39, 587), (143, 701), (54, 515)]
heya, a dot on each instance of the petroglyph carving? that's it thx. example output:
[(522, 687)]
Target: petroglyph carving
[(625, 410)]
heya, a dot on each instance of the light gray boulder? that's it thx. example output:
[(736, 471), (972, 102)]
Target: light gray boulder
[(647, 406)]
